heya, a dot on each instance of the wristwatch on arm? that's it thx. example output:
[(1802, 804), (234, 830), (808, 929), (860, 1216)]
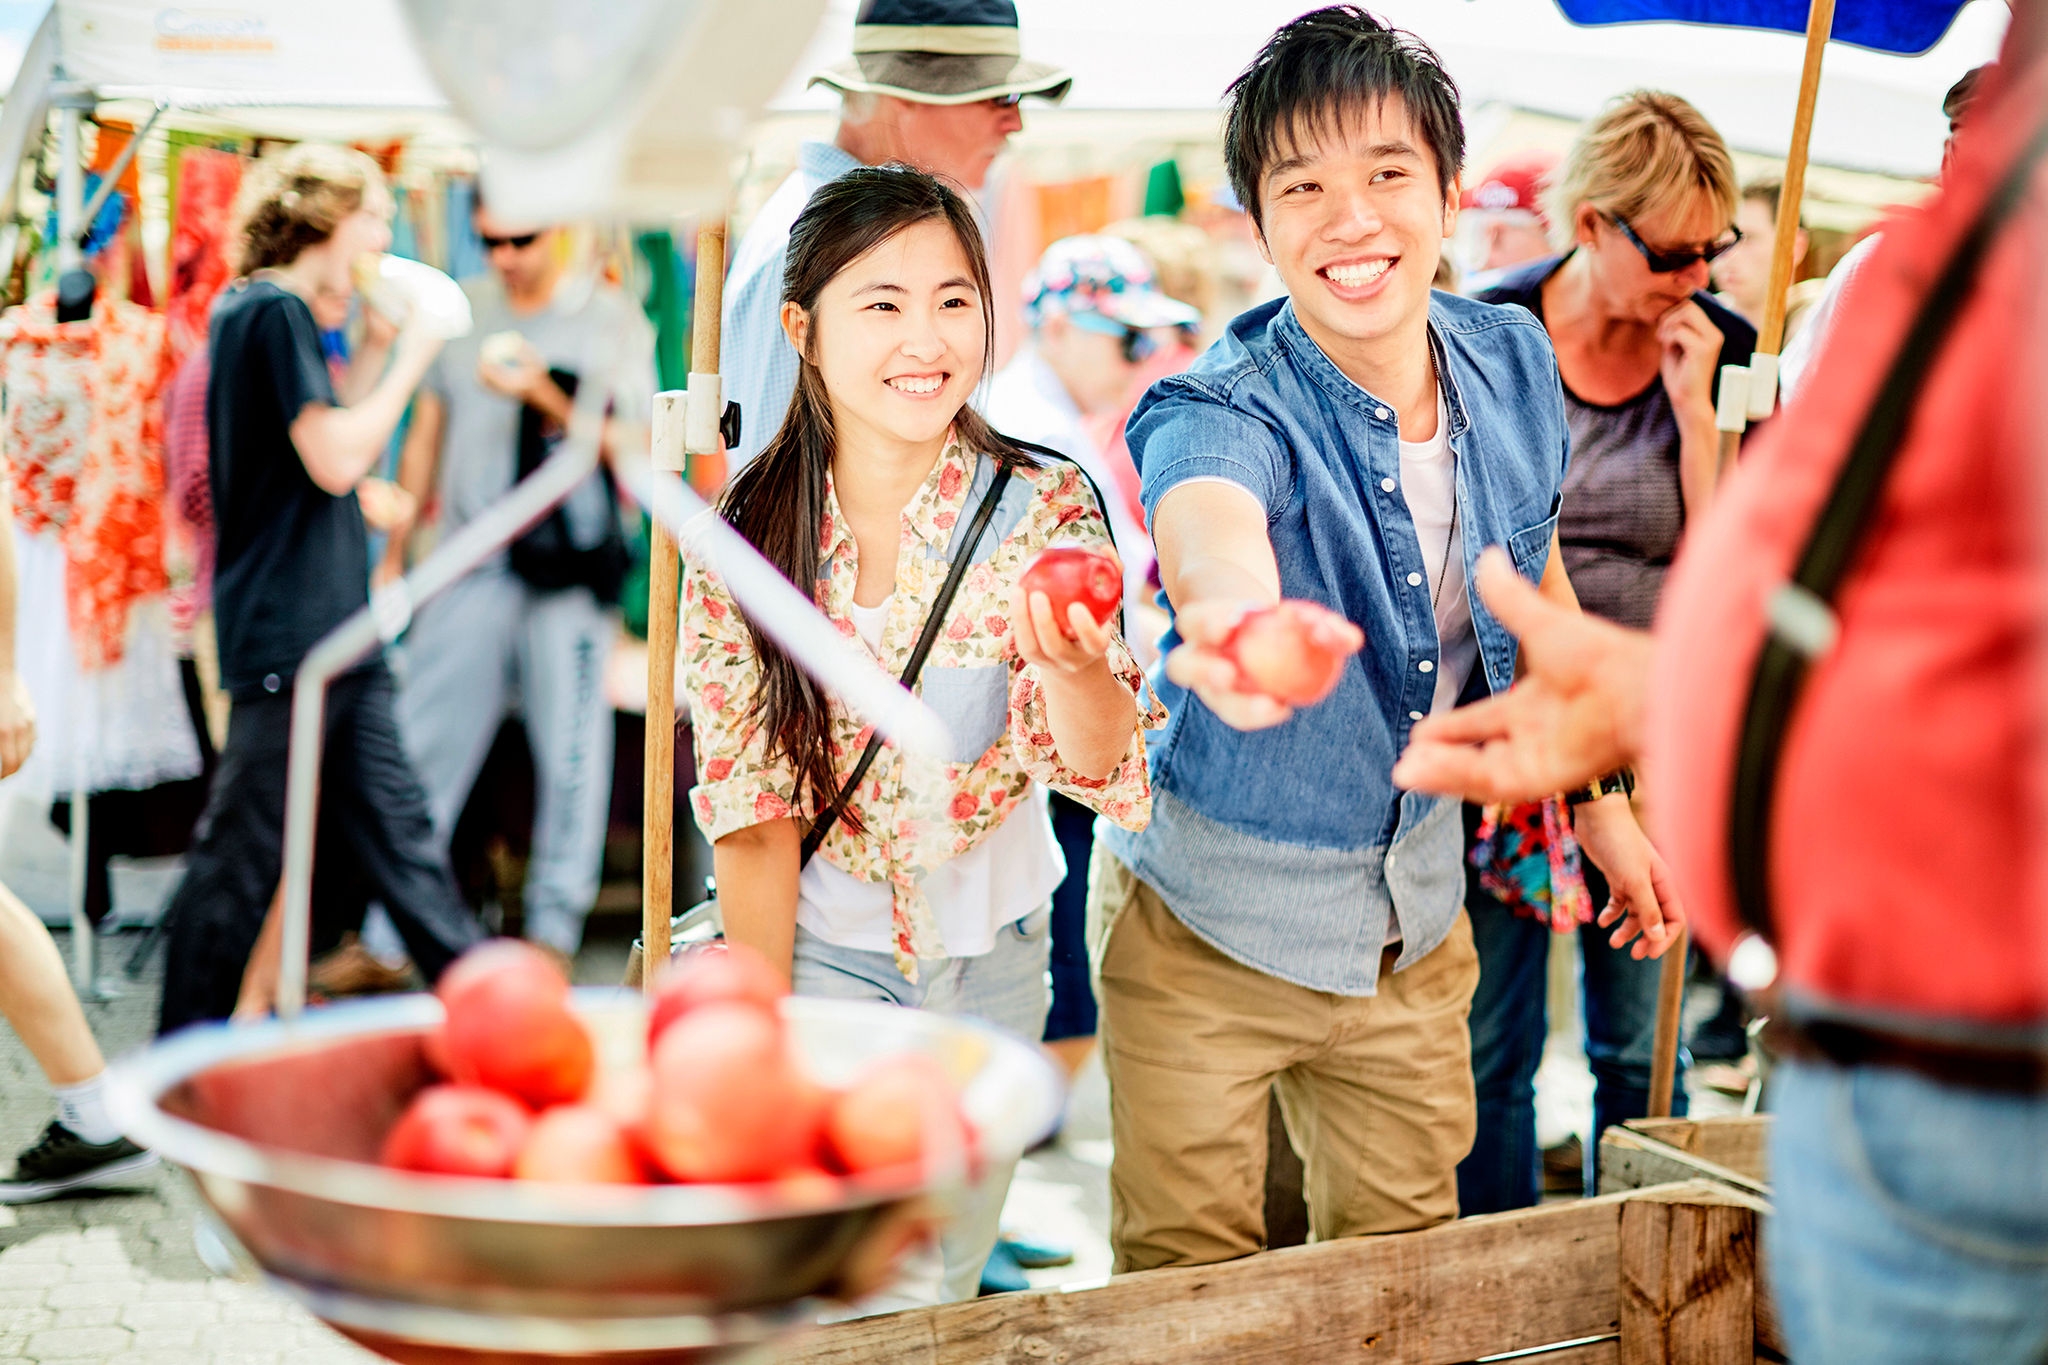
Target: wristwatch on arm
[(1621, 780)]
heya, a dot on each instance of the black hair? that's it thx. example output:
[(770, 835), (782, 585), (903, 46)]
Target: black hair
[(1322, 67), (778, 501), (1956, 102)]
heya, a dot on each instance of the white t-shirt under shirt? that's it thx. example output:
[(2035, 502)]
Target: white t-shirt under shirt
[(1429, 482), (997, 882)]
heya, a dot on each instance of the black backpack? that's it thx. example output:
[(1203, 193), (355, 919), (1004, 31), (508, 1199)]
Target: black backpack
[(551, 556)]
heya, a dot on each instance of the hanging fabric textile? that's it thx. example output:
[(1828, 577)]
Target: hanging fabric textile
[(83, 451), (670, 285), (106, 224), (671, 293), (83, 437), (207, 182)]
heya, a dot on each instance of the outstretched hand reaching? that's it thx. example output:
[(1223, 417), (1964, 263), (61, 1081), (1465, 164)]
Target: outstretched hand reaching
[(1575, 714)]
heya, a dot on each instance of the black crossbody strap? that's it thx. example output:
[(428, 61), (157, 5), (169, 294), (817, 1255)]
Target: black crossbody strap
[(1837, 534), (934, 622)]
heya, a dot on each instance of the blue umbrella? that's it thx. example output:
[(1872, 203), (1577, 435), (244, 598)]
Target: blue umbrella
[(1909, 27)]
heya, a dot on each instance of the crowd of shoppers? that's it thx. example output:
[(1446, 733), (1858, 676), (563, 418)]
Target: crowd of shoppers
[(1495, 497)]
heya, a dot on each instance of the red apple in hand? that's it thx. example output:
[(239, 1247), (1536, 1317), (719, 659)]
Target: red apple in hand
[(902, 1110), (578, 1144), (458, 1130), (1067, 574), (714, 974), (728, 1101), (509, 1026), (1293, 652)]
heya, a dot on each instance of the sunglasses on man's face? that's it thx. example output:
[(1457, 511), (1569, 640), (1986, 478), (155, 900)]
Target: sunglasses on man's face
[(1006, 101), (1666, 262), (1137, 344), (518, 241)]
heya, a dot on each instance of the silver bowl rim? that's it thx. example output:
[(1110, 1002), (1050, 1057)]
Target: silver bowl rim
[(528, 1334), (138, 1082)]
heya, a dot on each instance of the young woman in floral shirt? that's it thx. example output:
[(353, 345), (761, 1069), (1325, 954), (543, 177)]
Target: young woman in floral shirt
[(932, 887)]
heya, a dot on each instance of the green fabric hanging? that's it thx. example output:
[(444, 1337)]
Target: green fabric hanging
[(670, 293), (1163, 192)]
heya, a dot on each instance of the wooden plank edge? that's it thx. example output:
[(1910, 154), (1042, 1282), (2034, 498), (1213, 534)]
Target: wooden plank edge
[(1051, 1322), (1738, 1141), (1622, 1149)]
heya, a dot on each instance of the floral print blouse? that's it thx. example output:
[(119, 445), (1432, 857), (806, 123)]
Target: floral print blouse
[(916, 818)]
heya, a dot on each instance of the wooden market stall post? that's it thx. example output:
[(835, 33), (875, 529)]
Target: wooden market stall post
[(682, 430)]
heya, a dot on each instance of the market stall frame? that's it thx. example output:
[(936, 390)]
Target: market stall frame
[(1655, 1276)]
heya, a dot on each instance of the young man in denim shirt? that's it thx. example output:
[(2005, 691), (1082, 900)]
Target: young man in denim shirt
[(1290, 917)]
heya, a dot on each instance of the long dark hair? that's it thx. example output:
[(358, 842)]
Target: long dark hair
[(778, 501)]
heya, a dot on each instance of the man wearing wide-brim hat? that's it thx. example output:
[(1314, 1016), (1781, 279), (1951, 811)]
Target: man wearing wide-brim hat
[(935, 83)]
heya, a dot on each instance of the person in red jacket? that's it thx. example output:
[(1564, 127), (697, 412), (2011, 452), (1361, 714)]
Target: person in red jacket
[(1901, 889)]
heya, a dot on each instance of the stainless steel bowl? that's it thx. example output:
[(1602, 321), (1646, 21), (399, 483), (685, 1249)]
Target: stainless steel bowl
[(280, 1125)]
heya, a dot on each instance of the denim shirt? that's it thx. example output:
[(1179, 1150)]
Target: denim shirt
[(1289, 848)]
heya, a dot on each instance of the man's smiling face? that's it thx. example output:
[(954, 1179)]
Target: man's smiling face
[(1354, 218)]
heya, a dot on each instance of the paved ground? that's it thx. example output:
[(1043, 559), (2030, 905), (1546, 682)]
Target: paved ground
[(115, 1278)]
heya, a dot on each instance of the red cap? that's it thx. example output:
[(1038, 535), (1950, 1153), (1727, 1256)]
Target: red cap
[(1514, 183)]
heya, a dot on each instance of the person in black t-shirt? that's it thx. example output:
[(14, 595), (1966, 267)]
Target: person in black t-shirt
[(292, 563)]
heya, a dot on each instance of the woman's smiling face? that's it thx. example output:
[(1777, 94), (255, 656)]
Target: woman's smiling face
[(899, 336)]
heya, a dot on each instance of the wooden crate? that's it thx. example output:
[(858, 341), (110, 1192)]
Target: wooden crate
[(1643, 1152), (1731, 1150), (1648, 1277)]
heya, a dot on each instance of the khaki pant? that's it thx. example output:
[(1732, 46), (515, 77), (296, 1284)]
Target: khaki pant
[(1376, 1090)]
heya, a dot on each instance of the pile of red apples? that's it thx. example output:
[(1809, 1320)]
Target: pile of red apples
[(720, 1096)]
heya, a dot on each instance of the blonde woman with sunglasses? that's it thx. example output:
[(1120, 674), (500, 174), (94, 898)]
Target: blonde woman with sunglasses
[(1644, 201)]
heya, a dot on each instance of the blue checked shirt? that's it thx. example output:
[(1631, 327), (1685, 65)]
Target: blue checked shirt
[(758, 362)]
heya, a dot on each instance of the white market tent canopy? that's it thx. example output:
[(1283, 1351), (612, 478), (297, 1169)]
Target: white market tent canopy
[(1876, 112), (636, 118), (330, 56)]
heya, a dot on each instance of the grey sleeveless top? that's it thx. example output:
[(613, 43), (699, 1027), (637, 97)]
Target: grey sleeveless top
[(1622, 509)]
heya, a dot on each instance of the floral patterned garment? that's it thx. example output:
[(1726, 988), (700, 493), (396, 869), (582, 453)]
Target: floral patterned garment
[(83, 439), (1528, 859), (989, 697)]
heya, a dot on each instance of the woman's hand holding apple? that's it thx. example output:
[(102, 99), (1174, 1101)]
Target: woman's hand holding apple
[(1061, 610)]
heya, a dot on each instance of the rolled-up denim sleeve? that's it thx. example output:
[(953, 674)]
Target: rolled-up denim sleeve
[(1181, 432)]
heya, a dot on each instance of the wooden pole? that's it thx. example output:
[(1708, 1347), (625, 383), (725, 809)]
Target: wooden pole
[(1670, 1005), (673, 443), (1820, 22), (657, 869)]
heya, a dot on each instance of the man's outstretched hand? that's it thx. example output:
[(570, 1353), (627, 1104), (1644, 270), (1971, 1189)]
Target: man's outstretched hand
[(1576, 713)]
